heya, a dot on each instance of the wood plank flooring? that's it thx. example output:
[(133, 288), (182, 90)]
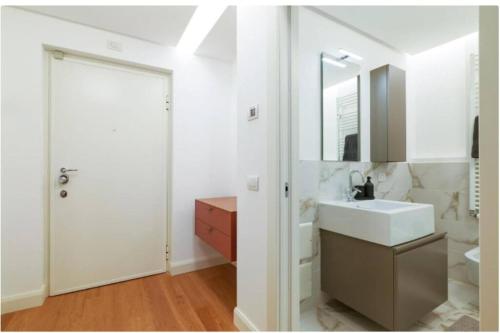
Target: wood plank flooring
[(197, 301)]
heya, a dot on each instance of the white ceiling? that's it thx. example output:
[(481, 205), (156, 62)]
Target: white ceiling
[(158, 24), (408, 29)]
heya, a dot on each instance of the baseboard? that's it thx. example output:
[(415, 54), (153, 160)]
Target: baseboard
[(186, 266), (23, 301), (242, 322)]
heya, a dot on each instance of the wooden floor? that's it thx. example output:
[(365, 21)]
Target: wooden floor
[(196, 301)]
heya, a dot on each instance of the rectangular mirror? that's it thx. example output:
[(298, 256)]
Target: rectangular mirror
[(340, 109)]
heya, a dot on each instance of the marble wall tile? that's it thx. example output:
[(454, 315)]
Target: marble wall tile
[(460, 231), (456, 258), (441, 176), (309, 174), (392, 180), (448, 205), (333, 180)]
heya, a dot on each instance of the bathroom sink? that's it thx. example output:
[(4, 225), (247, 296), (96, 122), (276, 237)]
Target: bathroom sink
[(378, 221)]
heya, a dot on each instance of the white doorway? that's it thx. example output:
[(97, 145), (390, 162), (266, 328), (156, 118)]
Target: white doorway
[(108, 129)]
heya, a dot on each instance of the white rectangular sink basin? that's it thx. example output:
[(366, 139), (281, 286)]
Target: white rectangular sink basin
[(378, 221)]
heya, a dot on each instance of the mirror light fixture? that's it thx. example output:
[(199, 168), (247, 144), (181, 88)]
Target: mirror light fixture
[(333, 62), (350, 54), (202, 21)]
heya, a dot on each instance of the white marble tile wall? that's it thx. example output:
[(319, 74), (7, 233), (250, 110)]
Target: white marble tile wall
[(445, 185)]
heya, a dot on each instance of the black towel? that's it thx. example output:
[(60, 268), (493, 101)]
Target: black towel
[(351, 148), (475, 139)]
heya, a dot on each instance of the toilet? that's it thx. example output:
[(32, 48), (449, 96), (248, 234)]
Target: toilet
[(472, 265)]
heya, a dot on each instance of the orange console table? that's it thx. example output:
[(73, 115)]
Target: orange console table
[(215, 223)]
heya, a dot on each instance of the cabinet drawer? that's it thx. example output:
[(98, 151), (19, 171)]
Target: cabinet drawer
[(214, 217), (359, 274), (218, 240), (421, 281)]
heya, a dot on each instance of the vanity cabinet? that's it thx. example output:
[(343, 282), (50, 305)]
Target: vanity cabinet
[(393, 286), (215, 223), (388, 114)]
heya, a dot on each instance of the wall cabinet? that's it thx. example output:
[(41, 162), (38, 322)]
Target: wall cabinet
[(388, 114), (393, 286), (215, 223)]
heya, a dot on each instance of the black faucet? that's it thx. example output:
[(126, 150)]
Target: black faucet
[(359, 191)]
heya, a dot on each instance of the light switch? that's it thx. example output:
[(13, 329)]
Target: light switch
[(253, 112), (253, 183)]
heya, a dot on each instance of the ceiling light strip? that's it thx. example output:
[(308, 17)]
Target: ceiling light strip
[(350, 54), (202, 21), (333, 62)]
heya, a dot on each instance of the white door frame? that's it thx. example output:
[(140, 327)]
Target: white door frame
[(168, 74), (288, 227), (294, 163), (289, 256), (283, 234)]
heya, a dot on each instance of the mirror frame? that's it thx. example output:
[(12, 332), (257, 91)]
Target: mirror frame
[(327, 55)]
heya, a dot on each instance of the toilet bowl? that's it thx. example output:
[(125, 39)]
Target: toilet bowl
[(472, 265)]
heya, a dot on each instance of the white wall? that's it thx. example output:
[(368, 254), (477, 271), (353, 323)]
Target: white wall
[(438, 92), (203, 147), (257, 84), (317, 34)]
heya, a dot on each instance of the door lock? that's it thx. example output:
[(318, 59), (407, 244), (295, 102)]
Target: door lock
[(63, 194), (63, 179)]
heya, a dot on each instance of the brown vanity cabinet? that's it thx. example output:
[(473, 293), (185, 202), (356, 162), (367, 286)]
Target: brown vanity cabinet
[(393, 286)]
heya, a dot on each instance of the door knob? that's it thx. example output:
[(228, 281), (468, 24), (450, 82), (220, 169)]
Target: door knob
[(63, 179)]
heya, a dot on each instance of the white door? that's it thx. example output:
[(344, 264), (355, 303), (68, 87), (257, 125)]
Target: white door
[(109, 123)]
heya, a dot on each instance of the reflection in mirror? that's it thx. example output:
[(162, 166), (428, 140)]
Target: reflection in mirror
[(340, 109)]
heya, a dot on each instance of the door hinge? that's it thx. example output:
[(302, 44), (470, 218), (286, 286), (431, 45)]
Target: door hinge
[(59, 55), (287, 189), (166, 251), (167, 103)]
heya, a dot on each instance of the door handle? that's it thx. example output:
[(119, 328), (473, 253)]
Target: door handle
[(64, 170)]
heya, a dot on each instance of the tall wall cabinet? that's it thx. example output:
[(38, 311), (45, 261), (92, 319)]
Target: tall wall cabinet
[(388, 114)]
